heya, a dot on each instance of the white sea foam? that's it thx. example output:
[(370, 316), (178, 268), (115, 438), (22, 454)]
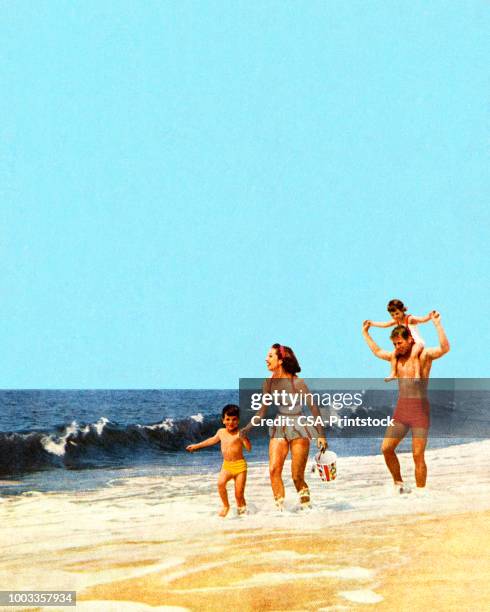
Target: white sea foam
[(167, 424), (364, 596), (56, 446), (101, 423), (354, 573), (458, 479)]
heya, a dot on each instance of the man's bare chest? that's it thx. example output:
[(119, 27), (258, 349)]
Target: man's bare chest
[(406, 368)]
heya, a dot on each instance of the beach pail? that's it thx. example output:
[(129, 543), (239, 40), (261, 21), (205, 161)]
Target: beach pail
[(326, 465)]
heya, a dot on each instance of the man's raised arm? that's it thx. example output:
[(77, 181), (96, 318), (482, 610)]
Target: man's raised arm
[(443, 348), (380, 353)]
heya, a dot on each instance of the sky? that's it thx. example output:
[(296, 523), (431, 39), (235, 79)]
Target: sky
[(185, 183)]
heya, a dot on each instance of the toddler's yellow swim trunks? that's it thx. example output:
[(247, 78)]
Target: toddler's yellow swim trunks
[(235, 467)]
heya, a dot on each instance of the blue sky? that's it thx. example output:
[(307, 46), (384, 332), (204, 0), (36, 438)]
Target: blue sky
[(185, 183)]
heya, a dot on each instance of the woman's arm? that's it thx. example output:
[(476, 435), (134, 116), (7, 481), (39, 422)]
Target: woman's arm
[(246, 443), (209, 442), (261, 412), (251, 424)]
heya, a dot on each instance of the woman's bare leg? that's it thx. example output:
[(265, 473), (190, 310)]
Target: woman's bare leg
[(299, 455), (278, 451)]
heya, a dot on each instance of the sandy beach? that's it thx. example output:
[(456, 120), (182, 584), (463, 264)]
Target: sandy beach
[(415, 564), (157, 544)]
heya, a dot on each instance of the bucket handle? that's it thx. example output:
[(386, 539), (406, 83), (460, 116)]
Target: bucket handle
[(320, 453)]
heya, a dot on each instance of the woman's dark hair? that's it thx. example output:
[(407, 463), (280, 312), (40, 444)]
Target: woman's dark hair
[(230, 410), (289, 362), (400, 330), (396, 305)]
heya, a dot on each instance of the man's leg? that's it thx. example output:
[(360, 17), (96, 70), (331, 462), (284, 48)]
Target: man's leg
[(419, 442), (394, 435)]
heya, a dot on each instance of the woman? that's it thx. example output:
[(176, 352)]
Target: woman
[(294, 436)]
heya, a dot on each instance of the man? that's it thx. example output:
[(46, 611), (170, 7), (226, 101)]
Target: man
[(412, 409)]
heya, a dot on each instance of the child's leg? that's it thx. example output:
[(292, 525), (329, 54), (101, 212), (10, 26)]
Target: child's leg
[(223, 479), (392, 375), (240, 480)]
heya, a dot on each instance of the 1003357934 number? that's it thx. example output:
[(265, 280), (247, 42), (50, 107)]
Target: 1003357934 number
[(45, 598)]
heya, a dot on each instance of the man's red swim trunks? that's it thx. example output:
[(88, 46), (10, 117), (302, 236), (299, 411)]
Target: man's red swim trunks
[(413, 412)]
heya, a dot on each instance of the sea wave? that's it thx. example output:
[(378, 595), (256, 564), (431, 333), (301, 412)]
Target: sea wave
[(79, 446), (105, 442)]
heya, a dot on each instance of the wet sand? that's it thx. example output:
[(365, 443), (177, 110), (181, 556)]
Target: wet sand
[(439, 563)]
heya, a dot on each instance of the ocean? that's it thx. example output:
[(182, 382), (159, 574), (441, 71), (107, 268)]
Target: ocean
[(75, 440)]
